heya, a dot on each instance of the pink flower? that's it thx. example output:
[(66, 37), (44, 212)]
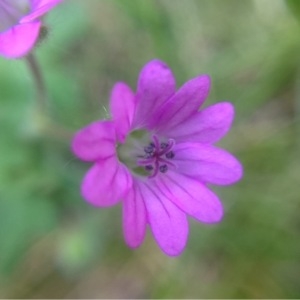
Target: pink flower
[(20, 25), (156, 155)]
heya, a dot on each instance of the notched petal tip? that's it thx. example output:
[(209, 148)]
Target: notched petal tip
[(154, 65), (238, 171), (168, 223), (215, 215), (122, 107), (153, 72), (202, 83), (207, 163), (224, 111), (106, 183), (156, 84), (173, 251), (192, 197), (205, 80), (183, 105), (95, 141), (19, 40), (134, 217), (206, 126)]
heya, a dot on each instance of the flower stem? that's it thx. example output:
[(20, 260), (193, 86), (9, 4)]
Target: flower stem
[(39, 82), (43, 123)]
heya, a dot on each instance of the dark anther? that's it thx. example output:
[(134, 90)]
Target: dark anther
[(170, 154), (164, 145), (149, 149), (163, 168), (148, 167)]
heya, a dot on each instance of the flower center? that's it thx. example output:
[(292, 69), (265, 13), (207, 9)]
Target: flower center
[(157, 157), (150, 160), (11, 11)]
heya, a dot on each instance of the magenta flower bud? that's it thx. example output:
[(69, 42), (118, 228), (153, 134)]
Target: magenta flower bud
[(21, 25), (163, 177)]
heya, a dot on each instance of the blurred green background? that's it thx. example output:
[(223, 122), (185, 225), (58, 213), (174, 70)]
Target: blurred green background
[(54, 245)]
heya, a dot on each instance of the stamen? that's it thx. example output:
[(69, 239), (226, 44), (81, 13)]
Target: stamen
[(170, 155), (165, 161), (148, 167), (144, 162), (164, 145), (149, 149), (155, 170), (169, 146), (156, 142), (163, 168)]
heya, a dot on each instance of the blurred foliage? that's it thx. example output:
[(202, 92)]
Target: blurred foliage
[(295, 7), (54, 245)]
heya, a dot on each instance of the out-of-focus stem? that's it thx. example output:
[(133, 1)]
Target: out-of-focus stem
[(39, 83), (44, 124)]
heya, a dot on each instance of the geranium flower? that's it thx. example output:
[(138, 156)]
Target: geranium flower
[(20, 25), (156, 155)]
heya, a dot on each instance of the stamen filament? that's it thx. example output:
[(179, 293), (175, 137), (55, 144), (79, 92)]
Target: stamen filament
[(171, 143), (156, 169), (156, 141), (145, 162), (166, 162)]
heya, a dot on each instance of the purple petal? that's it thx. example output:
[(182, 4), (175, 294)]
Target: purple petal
[(207, 126), (191, 196), (96, 141), (156, 85), (134, 217), (183, 104), (36, 4), (122, 106), (106, 183), (19, 40), (168, 223), (39, 8), (207, 163)]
